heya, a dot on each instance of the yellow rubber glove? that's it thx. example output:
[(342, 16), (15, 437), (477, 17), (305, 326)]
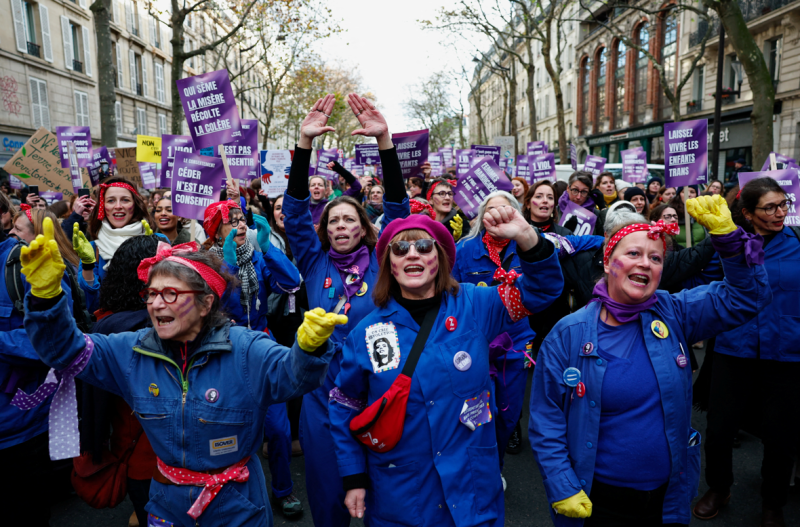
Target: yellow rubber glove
[(147, 230), (82, 246), (317, 326), (458, 226), (712, 213), (577, 506), (42, 264)]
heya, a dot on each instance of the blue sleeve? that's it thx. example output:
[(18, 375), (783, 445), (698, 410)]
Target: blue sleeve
[(456, 272), (279, 272), (709, 310), (585, 243), (303, 238), (16, 348), (91, 292), (394, 211), (351, 381)]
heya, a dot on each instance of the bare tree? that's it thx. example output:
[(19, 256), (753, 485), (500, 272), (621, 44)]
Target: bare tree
[(430, 105)]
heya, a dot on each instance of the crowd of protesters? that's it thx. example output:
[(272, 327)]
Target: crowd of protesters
[(369, 325)]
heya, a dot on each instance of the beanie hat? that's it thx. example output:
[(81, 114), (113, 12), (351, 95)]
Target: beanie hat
[(419, 221)]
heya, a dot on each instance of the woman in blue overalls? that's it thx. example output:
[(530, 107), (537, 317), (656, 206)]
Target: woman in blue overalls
[(339, 267), (444, 470), (611, 404)]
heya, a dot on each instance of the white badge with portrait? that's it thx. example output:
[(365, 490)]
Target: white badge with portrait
[(383, 346)]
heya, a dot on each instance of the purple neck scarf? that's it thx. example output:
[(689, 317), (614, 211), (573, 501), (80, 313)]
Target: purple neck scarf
[(564, 199), (352, 267), (624, 313)]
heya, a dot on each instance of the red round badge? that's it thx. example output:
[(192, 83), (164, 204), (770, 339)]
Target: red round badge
[(451, 323), (327, 283), (580, 389)]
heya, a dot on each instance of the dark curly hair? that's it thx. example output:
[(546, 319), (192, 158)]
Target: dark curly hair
[(120, 289), (749, 197)]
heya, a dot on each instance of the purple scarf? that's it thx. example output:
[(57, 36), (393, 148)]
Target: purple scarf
[(624, 313), (352, 267), (564, 199)]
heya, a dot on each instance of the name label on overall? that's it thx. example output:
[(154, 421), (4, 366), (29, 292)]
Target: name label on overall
[(224, 445)]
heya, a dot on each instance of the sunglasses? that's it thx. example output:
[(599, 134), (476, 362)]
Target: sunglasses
[(424, 246)]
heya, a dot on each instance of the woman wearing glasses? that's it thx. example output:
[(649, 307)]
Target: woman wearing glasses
[(759, 361), (440, 196), (444, 470), (578, 189)]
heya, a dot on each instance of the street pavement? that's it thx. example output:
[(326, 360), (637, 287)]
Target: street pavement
[(526, 503)]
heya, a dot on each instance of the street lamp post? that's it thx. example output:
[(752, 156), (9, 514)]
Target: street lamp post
[(718, 104)]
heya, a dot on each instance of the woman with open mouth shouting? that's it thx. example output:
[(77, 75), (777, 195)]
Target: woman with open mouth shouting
[(611, 403), (260, 273), (339, 266), (433, 460), (199, 386), (173, 227), (441, 197)]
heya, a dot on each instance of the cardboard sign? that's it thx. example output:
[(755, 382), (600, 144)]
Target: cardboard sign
[(542, 167), (686, 153), (81, 138), (210, 108), (586, 218), (487, 151), (195, 184), (275, 167), (480, 181), (788, 180), (594, 165), (412, 151), (148, 149), (127, 166), (367, 155), (38, 162), (634, 165)]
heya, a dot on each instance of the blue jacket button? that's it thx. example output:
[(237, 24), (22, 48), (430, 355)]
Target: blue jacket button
[(583, 483), (592, 404), (599, 362), (589, 445)]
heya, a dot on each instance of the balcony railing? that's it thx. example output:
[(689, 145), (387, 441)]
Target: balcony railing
[(138, 89), (693, 107), (77, 66), (134, 31), (751, 9), (34, 49)]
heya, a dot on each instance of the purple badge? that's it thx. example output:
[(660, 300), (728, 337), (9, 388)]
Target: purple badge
[(476, 412), (587, 348), (462, 360), (212, 395), (681, 360), (686, 152)]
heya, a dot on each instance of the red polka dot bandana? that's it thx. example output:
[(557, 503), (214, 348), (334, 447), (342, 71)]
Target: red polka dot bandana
[(27, 210), (101, 211), (654, 232), (508, 292), (167, 252), (418, 206), (215, 214), (212, 482)]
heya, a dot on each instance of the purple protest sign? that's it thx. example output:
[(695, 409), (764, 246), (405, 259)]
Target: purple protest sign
[(171, 145), (586, 218), (534, 148), (595, 165), (412, 151), (573, 156), (379, 172), (15, 183), (436, 164), (358, 170), (463, 161), (51, 196), (480, 181), (634, 165), (487, 151), (81, 138), (523, 170), (541, 167), (781, 161), (367, 154), (210, 108), (99, 155), (788, 181), (243, 153), (323, 158), (447, 154), (686, 152), (148, 173), (195, 184)]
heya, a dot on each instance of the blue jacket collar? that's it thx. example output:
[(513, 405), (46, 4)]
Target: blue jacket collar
[(218, 339)]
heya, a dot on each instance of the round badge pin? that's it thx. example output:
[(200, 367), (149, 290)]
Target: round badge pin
[(153, 389), (681, 360), (212, 395), (327, 283), (462, 361), (482, 284), (363, 290), (659, 329), (451, 323), (588, 348), (580, 389), (571, 377)]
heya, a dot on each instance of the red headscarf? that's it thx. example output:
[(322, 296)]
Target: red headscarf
[(215, 214), (101, 211), (654, 232), (418, 206), (27, 210), (166, 252)]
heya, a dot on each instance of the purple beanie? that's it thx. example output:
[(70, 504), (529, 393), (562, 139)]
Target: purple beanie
[(419, 221)]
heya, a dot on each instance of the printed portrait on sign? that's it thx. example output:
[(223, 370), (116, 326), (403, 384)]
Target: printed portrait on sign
[(383, 347)]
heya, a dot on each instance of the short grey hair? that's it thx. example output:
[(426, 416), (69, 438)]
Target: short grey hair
[(512, 201), (616, 220)]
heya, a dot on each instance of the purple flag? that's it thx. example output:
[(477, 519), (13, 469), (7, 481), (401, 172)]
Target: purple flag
[(412, 150), (323, 158), (573, 156), (463, 161), (595, 165), (367, 154), (171, 145), (98, 156), (242, 154), (686, 152), (534, 148), (781, 161), (210, 108), (448, 156), (195, 184), (541, 167), (480, 181), (634, 165), (487, 151), (436, 164), (789, 182), (523, 169), (586, 218), (81, 138)]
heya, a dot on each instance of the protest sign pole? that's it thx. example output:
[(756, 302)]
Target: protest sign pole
[(192, 227), (773, 164), (686, 218), (224, 157)]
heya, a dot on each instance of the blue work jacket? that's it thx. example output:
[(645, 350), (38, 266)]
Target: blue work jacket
[(186, 427), (564, 427), (440, 473), (316, 266), (775, 333), (275, 274)]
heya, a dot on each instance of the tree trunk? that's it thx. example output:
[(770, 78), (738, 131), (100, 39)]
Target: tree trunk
[(177, 66), (512, 104), (555, 77), (503, 128), (106, 74), (749, 54), (476, 98), (461, 123)]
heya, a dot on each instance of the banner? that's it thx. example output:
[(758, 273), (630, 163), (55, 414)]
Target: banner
[(789, 182), (594, 165), (148, 149), (367, 154), (523, 170), (412, 150), (81, 138), (242, 154), (38, 162), (275, 167), (170, 145), (127, 166), (99, 155), (195, 184), (781, 161), (479, 181), (686, 152), (634, 165), (573, 156), (487, 151), (447, 154), (436, 164), (463, 161), (535, 148), (586, 219), (148, 173), (542, 167), (323, 158), (210, 108)]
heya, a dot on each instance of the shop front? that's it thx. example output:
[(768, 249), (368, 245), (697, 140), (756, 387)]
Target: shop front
[(9, 144), (611, 144)]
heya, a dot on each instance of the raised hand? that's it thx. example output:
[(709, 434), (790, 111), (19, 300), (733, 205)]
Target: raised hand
[(263, 229), (42, 264), (82, 247), (457, 224), (712, 213), (316, 122), (372, 122), (146, 227), (317, 326), (331, 165), (507, 223)]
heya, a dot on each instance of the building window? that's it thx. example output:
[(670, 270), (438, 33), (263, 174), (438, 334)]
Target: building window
[(118, 113), (162, 124), (155, 32), (669, 60), (159, 69), (586, 71), (132, 17), (697, 88), (773, 55), (641, 76), (40, 110), (81, 108), (601, 87), (619, 84), (568, 96), (141, 121)]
